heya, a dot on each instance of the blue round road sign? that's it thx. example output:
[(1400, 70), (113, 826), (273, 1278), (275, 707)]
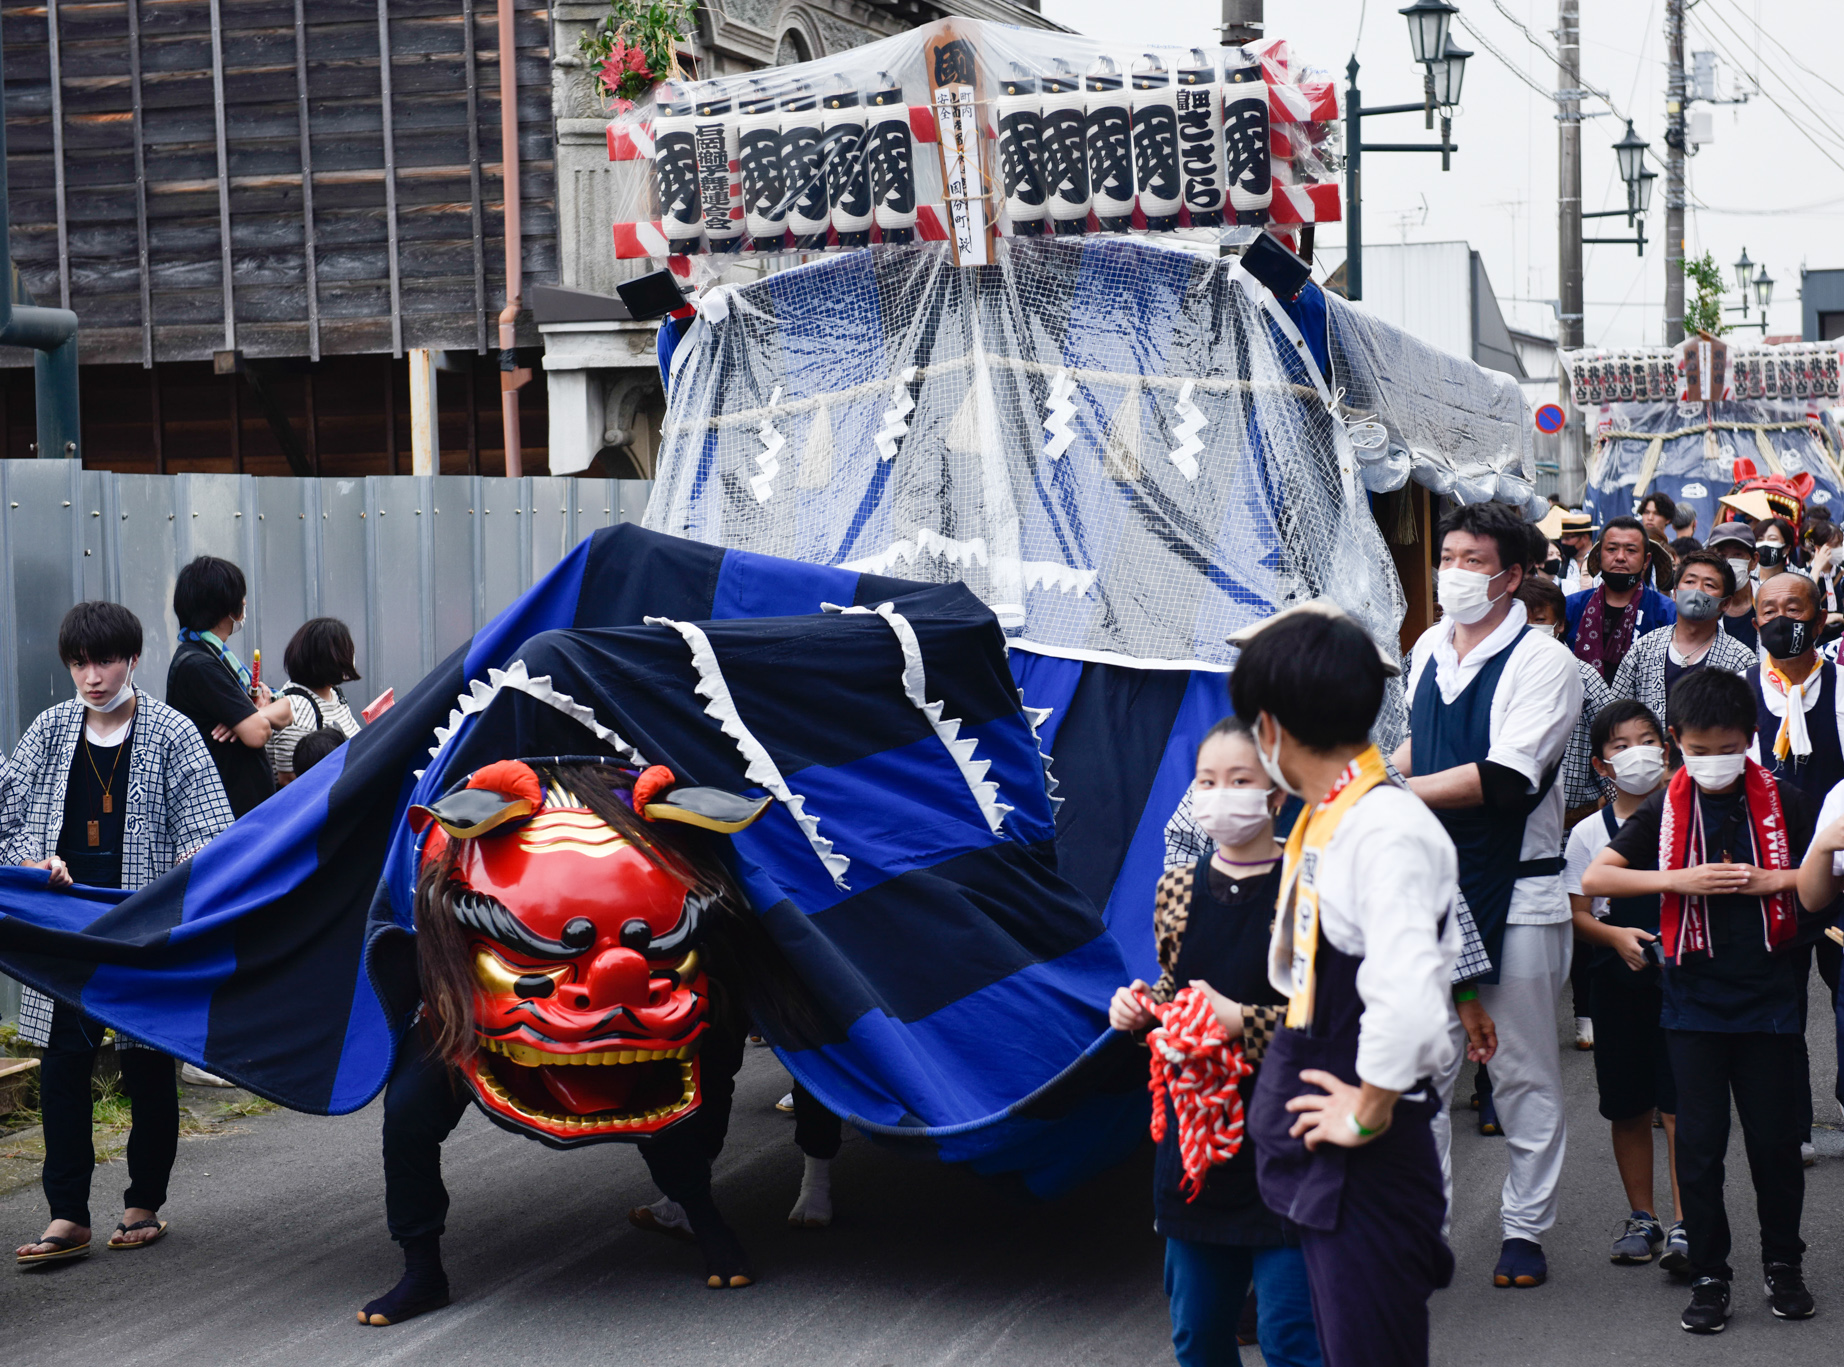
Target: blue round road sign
[(1549, 418)]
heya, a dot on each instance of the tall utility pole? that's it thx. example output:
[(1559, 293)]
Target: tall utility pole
[(1242, 22), (1568, 165), (1573, 471), (1676, 98)]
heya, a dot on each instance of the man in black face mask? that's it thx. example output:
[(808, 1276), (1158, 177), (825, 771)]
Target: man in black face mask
[(1796, 693)]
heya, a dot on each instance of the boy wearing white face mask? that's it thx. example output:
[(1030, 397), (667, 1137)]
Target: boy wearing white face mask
[(1632, 1070), (110, 789), (1211, 924), (1721, 847)]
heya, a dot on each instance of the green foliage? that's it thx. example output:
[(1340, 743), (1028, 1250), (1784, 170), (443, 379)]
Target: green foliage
[(1703, 313), (633, 46)]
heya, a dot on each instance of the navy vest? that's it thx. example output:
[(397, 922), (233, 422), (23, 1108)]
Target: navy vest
[(1489, 840), (1818, 773)]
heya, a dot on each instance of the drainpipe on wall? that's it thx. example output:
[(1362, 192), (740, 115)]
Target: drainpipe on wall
[(51, 332), (511, 377)]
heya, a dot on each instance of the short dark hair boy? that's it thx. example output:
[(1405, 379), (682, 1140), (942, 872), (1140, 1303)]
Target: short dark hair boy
[(1320, 677), (316, 746), (208, 590), (1732, 928), (98, 633)]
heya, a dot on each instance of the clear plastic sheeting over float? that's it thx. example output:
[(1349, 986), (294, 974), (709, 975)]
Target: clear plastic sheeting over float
[(960, 129), (1767, 413), (1120, 448), (1453, 426)]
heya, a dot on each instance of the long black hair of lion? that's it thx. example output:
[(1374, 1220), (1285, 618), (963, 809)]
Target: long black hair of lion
[(749, 976)]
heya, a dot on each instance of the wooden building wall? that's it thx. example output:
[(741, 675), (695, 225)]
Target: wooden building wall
[(350, 413), (285, 177)]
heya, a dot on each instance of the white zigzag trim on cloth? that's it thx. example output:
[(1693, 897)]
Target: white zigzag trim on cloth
[(1193, 422), (926, 542), (515, 678), (1062, 410), (1054, 574), (759, 767), (915, 684), (763, 485), (1046, 574), (896, 425), (1037, 716)]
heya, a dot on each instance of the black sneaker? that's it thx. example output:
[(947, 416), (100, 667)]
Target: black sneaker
[(1708, 1311), (1787, 1294)]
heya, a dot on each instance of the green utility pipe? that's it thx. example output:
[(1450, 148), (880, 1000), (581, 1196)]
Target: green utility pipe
[(51, 332)]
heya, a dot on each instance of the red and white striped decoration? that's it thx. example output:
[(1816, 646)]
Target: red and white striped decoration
[(1306, 204), (1198, 1066)]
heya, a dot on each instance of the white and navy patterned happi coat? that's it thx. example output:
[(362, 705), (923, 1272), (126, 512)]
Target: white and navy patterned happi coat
[(175, 804)]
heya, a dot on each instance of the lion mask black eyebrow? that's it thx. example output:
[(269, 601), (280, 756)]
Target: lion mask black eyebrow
[(490, 917)]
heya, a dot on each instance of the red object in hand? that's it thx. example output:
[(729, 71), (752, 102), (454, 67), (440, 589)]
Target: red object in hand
[(1198, 1066), (379, 705)]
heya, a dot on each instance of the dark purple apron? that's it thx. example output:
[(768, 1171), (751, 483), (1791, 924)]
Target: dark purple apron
[(1306, 1187)]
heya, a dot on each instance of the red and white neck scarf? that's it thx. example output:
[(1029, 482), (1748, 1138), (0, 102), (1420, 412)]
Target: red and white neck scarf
[(1684, 922), (1198, 1066)]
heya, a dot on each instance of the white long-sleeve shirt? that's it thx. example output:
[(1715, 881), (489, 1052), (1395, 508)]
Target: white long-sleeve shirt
[(1534, 709), (1388, 881)]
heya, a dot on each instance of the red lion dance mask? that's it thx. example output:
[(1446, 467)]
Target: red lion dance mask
[(590, 996), (1786, 494)]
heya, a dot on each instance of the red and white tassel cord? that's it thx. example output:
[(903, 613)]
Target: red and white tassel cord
[(1198, 1066)]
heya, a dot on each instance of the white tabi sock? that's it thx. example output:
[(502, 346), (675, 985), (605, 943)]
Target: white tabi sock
[(813, 1209)]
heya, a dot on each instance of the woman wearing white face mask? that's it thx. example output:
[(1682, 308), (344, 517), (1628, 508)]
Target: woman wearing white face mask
[(1210, 923)]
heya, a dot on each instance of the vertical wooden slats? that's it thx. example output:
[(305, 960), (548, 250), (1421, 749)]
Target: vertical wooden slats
[(140, 184), (307, 182), (390, 173), (57, 150), (473, 178), (224, 214)]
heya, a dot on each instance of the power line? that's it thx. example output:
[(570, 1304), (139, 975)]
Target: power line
[(1760, 31), (1799, 94), (1772, 99), (1510, 65)]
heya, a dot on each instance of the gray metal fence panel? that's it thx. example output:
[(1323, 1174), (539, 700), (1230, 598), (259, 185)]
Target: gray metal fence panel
[(414, 565), (452, 521)]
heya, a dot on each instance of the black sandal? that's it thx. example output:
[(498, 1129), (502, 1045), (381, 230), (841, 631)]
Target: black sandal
[(62, 1249), (116, 1241)]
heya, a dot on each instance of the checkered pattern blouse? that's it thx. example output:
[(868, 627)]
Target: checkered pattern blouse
[(1186, 843), (175, 804)]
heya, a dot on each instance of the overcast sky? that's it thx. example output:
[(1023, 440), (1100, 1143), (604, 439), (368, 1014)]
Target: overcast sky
[(1765, 184)]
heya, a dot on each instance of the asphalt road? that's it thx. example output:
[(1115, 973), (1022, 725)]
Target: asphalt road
[(278, 1237)]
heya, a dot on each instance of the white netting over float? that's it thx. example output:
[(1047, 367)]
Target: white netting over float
[(1125, 450)]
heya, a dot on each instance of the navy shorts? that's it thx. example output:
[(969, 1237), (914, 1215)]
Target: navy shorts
[(1631, 1067)]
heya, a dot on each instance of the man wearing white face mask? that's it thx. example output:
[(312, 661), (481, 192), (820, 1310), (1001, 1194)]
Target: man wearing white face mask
[(110, 789), (1492, 705), (1721, 847)]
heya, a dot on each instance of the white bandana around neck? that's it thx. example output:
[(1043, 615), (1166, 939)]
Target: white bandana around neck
[(1790, 702)]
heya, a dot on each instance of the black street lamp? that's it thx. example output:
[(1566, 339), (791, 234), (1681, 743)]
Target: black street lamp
[(1759, 286), (1630, 156), (1444, 70)]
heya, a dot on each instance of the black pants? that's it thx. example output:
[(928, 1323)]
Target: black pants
[(64, 1099), (1764, 1074), (426, 1098), (817, 1130)]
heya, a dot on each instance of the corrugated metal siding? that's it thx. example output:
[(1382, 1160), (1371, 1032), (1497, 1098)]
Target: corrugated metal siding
[(413, 564)]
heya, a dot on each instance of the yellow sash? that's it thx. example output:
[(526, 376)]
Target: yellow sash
[(1306, 847)]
